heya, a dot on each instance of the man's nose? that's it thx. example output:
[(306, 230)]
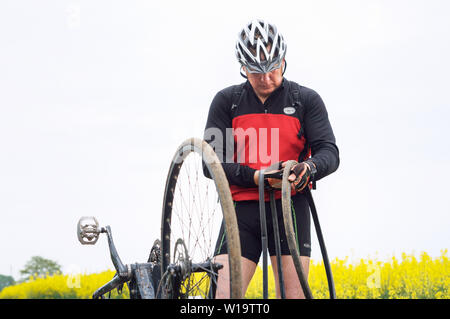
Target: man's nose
[(265, 77)]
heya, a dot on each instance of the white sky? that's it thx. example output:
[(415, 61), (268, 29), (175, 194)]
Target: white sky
[(95, 96)]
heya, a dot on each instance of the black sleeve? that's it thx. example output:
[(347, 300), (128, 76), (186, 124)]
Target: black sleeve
[(218, 133), (320, 136)]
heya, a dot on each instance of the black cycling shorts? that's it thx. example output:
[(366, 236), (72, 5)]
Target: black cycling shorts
[(248, 219)]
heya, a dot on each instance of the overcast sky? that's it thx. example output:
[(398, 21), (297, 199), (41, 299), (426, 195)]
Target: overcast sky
[(95, 96)]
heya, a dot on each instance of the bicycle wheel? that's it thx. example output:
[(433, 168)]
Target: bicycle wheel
[(194, 208), (288, 225)]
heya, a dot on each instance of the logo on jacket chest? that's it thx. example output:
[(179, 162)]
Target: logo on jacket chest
[(289, 110)]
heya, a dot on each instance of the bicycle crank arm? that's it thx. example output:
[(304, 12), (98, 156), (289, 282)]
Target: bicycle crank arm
[(88, 232)]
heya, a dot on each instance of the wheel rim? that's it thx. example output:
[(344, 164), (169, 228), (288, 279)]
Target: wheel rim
[(193, 214)]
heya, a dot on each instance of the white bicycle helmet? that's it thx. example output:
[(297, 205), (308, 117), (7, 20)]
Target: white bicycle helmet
[(260, 47)]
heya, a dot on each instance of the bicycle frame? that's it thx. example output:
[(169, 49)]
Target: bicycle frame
[(143, 279)]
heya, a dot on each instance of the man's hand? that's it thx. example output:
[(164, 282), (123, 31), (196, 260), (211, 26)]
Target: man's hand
[(272, 177), (300, 176), (274, 182)]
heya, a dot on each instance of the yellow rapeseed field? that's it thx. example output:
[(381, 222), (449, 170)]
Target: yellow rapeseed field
[(407, 277)]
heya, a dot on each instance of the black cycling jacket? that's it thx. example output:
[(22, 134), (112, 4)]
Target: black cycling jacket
[(274, 113)]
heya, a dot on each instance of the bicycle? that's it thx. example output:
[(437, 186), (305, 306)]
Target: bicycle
[(181, 265)]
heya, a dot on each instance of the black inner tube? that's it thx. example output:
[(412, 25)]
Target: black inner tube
[(323, 249), (262, 214), (276, 233)]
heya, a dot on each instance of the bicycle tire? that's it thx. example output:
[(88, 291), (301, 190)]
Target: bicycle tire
[(210, 160), (288, 225)]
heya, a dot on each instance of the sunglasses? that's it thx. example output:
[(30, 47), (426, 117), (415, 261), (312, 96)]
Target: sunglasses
[(263, 67)]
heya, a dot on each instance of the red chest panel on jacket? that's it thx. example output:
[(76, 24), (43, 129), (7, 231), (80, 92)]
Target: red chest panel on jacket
[(261, 140)]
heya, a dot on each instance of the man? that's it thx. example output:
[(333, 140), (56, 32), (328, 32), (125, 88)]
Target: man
[(247, 122)]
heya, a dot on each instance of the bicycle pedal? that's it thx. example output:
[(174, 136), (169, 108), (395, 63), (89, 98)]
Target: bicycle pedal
[(88, 230)]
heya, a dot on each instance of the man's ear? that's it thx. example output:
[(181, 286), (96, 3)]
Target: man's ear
[(243, 74)]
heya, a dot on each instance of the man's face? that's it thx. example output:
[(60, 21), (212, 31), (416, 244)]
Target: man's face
[(265, 83)]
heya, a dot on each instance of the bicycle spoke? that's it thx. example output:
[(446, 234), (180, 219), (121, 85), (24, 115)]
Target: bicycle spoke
[(194, 212), (195, 218)]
